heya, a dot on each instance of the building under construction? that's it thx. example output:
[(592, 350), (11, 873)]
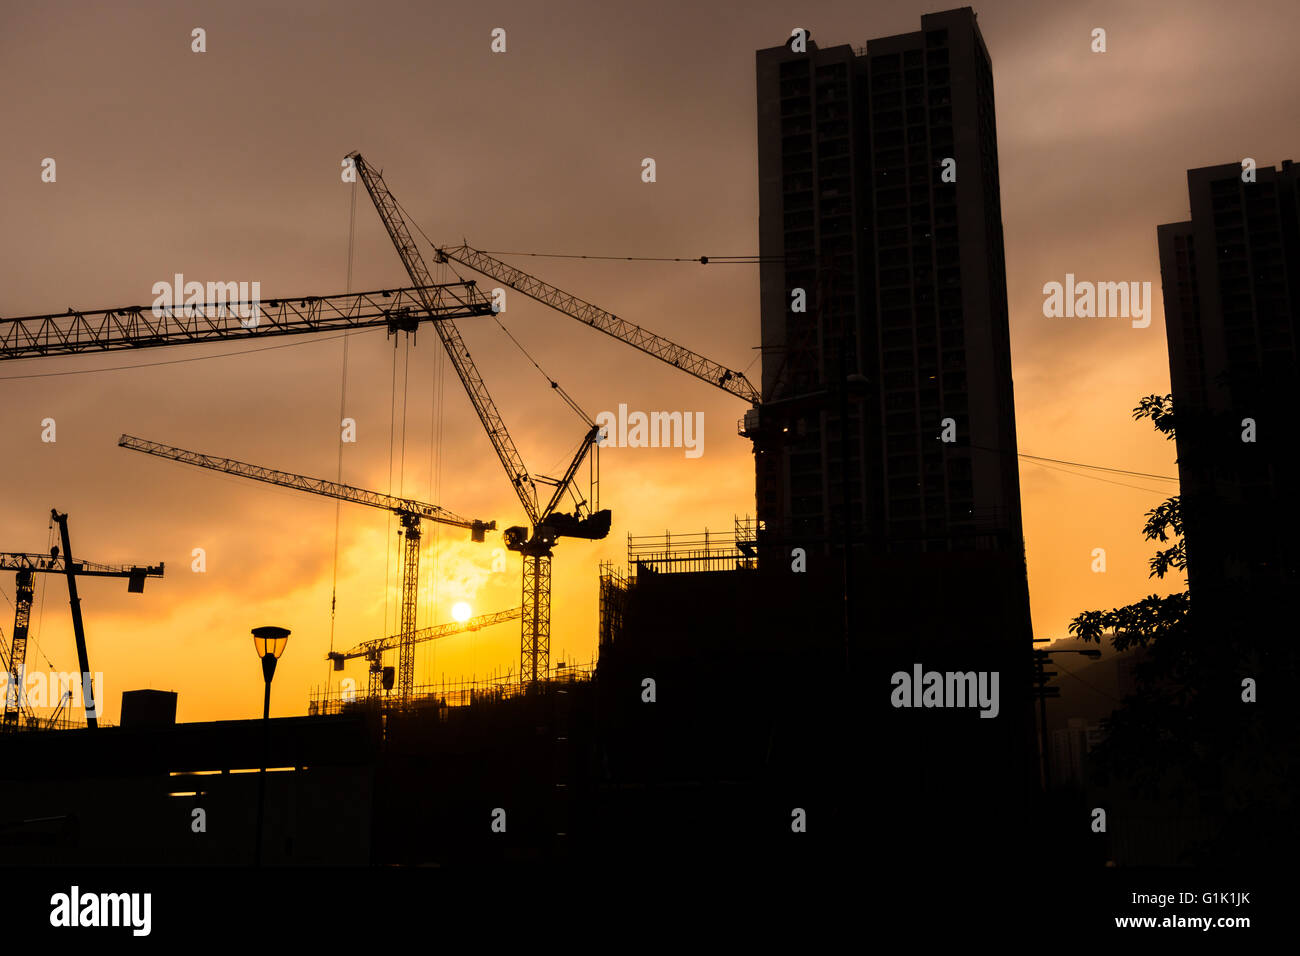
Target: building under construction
[(720, 720)]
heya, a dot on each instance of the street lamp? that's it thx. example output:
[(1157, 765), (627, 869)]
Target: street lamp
[(269, 642)]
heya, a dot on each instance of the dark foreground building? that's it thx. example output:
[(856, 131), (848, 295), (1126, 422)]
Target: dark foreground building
[(879, 201), (1231, 277), (887, 423), (722, 729)]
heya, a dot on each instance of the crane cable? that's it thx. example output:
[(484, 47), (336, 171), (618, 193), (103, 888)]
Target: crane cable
[(435, 494), (388, 528), (343, 404), (568, 399), (401, 475)]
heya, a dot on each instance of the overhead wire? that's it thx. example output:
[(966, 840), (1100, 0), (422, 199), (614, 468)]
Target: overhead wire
[(1079, 464), (1089, 685), (1109, 481)]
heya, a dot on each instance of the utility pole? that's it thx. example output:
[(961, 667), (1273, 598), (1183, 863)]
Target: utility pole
[(1042, 692)]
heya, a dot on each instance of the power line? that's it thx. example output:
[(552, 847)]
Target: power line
[(1085, 683), (1078, 464), (1154, 491)]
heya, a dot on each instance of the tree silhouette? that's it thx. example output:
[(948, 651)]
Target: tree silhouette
[(1187, 736)]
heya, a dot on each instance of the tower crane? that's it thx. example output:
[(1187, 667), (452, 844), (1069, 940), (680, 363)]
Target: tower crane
[(535, 544), (400, 310), (27, 564), (409, 511), (373, 651), (661, 348), (136, 326)]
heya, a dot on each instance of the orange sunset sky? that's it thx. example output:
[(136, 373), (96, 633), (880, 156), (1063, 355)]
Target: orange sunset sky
[(224, 166)]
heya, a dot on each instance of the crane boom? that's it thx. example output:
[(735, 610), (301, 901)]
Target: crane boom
[(409, 511), (661, 348), (381, 644), (27, 561), (390, 212), (373, 651), (318, 486), (136, 326)]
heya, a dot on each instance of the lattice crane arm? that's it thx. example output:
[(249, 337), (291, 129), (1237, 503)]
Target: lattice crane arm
[(661, 348), (318, 486), (391, 215), (369, 649), (562, 485), (136, 326), (55, 564)]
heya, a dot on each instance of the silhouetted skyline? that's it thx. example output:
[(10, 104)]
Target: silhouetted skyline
[(523, 151)]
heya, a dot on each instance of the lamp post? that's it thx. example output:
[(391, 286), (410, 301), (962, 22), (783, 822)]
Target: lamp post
[(269, 643)]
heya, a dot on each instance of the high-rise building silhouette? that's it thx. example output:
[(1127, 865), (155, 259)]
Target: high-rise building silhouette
[(883, 296), (887, 386), (1231, 277)]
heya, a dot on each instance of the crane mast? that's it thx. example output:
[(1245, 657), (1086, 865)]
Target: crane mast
[(23, 596)]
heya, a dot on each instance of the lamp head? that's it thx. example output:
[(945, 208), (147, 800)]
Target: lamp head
[(270, 640)]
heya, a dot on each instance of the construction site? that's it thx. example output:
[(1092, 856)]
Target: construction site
[(564, 751), (724, 711)]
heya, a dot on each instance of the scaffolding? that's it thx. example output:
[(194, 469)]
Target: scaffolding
[(670, 553), (613, 601), (699, 551), (445, 694)]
